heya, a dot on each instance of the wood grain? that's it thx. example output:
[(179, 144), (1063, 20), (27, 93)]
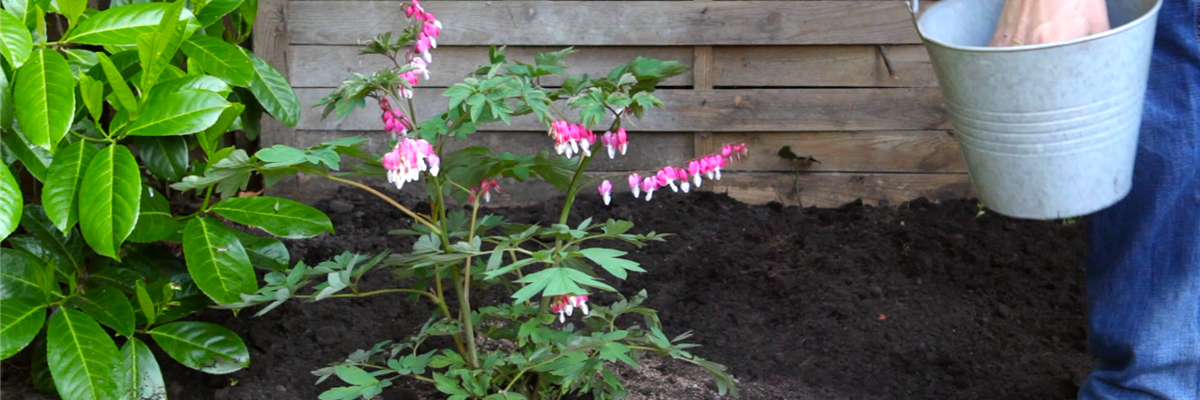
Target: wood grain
[(806, 190), (834, 189), (732, 110), (651, 152), (884, 151), (813, 66), (327, 66), (270, 41), (554, 23)]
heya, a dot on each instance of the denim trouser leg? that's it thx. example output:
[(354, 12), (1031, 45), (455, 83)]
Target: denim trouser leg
[(1143, 274)]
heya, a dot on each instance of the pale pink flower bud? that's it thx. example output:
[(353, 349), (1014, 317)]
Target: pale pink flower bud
[(435, 163), (634, 181), (606, 191)]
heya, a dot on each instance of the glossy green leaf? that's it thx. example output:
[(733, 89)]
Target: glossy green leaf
[(40, 371), (92, 93), (178, 113), (44, 92), (35, 159), (220, 59), (122, 25), (61, 193), (26, 10), (213, 10), (277, 216), (21, 275), (67, 250), (10, 202), (157, 48), (108, 306), (145, 304), (15, 41), (81, 61), (117, 276), (7, 110), (203, 346), (120, 89), (109, 199), (274, 93), (217, 261), (210, 138), (143, 379), (202, 82), (83, 359), (155, 221), (22, 319), (265, 252), (71, 9), (166, 157)]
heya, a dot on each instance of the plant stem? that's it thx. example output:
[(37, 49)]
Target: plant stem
[(572, 190), (402, 208), (583, 163), (465, 295), (377, 292), (91, 139), (437, 206), (207, 195), (526, 369)]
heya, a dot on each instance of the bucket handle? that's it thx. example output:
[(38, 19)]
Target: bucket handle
[(914, 8)]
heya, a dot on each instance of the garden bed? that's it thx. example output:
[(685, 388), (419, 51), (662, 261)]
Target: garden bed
[(920, 301)]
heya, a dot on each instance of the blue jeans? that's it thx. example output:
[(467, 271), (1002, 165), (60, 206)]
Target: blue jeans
[(1143, 273)]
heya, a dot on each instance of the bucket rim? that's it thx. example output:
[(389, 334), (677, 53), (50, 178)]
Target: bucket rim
[(1152, 13)]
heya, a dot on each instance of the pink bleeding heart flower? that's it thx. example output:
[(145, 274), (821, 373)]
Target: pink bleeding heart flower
[(666, 177), (606, 191), (565, 305), (682, 175), (408, 159), (649, 185), (694, 170), (635, 181)]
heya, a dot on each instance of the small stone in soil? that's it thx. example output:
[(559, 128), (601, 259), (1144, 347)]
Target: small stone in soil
[(341, 206), (328, 335)]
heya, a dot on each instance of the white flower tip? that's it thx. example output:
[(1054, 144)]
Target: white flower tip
[(612, 153), (607, 199), (685, 186)]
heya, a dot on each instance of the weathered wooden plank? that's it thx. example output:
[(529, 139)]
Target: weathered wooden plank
[(536, 23), (733, 110), (884, 151), (834, 189), (270, 40), (650, 152), (808, 189), (844, 66), (327, 66)]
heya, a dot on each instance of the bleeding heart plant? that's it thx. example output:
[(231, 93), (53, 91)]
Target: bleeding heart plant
[(555, 336)]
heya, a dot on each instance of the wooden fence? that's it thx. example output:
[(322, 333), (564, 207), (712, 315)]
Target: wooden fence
[(808, 74)]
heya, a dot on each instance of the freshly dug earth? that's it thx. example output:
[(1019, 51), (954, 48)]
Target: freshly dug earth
[(920, 301)]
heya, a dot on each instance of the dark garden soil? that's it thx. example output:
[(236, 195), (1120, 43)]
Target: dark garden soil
[(920, 301)]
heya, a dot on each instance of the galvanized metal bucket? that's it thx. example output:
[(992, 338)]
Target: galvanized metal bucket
[(1047, 131)]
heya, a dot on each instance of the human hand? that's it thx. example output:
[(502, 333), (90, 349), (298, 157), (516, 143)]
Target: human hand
[(1025, 22)]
